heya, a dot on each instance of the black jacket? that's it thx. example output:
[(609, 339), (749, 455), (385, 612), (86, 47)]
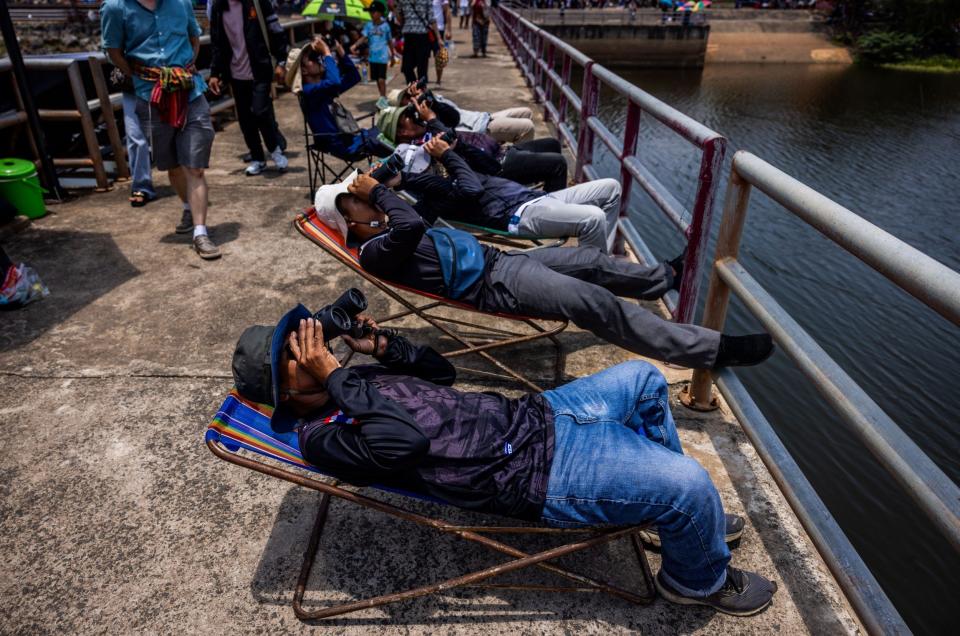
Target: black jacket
[(410, 430), (405, 254), (466, 195), (221, 52)]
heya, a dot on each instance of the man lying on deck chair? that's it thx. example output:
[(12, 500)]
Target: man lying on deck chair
[(602, 450), (580, 284), (587, 211), (528, 162)]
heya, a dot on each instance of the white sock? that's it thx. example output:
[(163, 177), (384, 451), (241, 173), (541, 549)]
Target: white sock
[(199, 230), (186, 206)]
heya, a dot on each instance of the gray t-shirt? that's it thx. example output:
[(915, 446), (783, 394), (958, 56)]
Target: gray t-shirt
[(416, 15), (233, 25)]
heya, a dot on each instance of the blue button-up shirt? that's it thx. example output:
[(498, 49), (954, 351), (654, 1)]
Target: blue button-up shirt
[(153, 38)]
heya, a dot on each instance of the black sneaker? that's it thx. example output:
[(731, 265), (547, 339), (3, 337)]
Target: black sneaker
[(186, 223), (743, 593), (743, 351), (732, 534)]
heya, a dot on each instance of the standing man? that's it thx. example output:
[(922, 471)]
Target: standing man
[(416, 21), (241, 54), (156, 43)]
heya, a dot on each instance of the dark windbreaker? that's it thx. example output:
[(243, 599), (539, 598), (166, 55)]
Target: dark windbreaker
[(411, 430)]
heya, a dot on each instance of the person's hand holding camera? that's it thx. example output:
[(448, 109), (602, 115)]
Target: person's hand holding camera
[(413, 90), (310, 351), (371, 344), (423, 108), (320, 46), (214, 85), (436, 147), (338, 49), (362, 186)]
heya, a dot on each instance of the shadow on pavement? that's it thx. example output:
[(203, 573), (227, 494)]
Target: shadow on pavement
[(77, 268), (364, 553)]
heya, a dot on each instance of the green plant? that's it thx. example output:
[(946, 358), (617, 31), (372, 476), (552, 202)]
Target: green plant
[(881, 47)]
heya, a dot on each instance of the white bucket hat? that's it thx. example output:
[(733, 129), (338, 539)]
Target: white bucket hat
[(325, 203)]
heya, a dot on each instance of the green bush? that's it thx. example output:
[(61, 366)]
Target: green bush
[(882, 47)]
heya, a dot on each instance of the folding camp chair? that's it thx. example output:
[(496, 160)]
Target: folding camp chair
[(334, 244), (499, 237), (241, 425), (318, 157)]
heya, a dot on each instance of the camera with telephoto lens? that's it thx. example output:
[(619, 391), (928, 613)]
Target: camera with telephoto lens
[(340, 317), (388, 169)]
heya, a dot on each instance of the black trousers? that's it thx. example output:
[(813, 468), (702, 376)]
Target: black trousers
[(255, 112), (535, 161), (416, 56)]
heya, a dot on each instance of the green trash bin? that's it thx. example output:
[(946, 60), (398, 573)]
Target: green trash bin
[(20, 186)]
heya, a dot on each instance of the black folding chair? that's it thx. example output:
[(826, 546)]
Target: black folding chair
[(319, 164)]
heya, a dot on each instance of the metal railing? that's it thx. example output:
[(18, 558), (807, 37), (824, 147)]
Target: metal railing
[(538, 55), (913, 271), (621, 17)]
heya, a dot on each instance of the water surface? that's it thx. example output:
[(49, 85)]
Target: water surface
[(886, 145)]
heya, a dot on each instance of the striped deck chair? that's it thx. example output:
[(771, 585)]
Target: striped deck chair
[(240, 434), (493, 338)]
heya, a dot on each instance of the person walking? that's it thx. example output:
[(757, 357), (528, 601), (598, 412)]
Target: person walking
[(138, 149), (444, 20), (416, 23), (241, 54), (156, 43), (481, 27), (464, 6)]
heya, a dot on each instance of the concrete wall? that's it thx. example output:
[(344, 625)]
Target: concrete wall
[(661, 45)]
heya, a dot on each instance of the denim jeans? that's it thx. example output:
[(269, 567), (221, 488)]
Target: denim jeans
[(618, 461), (138, 150)]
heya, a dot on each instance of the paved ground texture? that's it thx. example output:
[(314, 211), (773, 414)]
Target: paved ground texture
[(114, 517)]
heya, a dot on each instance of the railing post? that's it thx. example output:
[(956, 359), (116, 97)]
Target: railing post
[(548, 89), (565, 75), (699, 231), (631, 132), (538, 70), (589, 102), (699, 395)]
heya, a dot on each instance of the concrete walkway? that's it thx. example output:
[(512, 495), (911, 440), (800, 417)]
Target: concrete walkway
[(114, 518)]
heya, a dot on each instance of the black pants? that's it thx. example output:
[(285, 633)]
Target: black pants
[(584, 285), (255, 112), (535, 161), (416, 56)]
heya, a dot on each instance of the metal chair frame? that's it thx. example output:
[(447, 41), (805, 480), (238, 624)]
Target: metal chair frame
[(494, 338), (475, 534), (317, 163)]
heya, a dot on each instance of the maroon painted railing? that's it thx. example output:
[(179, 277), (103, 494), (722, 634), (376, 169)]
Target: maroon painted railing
[(539, 56)]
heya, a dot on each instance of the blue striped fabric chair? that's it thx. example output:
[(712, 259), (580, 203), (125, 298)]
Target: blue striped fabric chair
[(240, 433)]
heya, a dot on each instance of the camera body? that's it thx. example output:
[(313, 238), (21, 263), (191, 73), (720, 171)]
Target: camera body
[(388, 169), (340, 317)]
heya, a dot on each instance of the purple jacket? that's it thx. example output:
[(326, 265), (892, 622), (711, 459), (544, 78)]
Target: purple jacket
[(403, 426)]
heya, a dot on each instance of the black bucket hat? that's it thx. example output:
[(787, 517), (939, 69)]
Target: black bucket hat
[(256, 365)]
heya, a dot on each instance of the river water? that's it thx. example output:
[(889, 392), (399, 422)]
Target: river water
[(885, 144)]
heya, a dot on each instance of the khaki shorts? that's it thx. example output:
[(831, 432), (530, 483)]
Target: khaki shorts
[(170, 148)]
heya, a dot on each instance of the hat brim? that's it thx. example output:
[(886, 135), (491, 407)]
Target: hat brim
[(293, 70), (282, 420)]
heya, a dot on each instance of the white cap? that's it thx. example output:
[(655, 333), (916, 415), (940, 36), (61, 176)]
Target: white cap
[(325, 203)]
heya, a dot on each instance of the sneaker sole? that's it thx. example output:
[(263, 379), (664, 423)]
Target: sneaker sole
[(653, 539), (183, 230), (677, 599), (208, 257)]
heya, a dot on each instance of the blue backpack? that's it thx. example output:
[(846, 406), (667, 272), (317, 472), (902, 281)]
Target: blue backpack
[(461, 259)]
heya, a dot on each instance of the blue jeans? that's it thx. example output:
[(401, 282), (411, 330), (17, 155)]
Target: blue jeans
[(138, 150), (618, 461)]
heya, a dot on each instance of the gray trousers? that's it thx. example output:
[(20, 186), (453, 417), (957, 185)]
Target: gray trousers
[(583, 285), (588, 211)]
